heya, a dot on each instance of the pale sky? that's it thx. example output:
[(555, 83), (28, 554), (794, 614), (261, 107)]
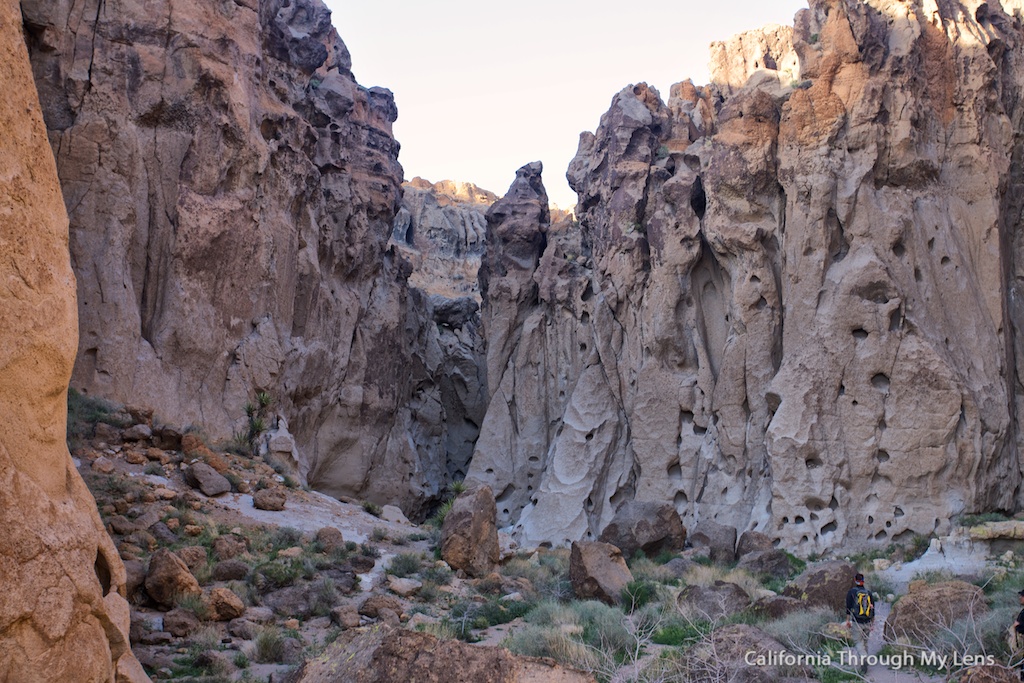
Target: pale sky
[(483, 88)]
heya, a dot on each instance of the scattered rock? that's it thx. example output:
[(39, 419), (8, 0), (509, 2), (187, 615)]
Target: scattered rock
[(753, 541), (330, 539), (345, 616), (181, 623), (926, 608), (103, 465), (134, 457), (139, 432), (389, 617), (361, 563), (292, 624), (404, 587), (679, 566), (230, 570), (243, 628), (598, 571), (203, 477), (135, 573), (224, 605), (162, 532), (720, 540), (168, 578), (778, 606), (120, 524), (228, 546), (194, 556), (390, 513), (824, 584), (713, 602), (272, 499), (261, 615), (469, 535), (650, 527), (773, 562), (373, 604), (289, 553)]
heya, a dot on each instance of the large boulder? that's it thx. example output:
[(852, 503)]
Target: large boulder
[(647, 526), (598, 571), (824, 584), (168, 578), (203, 477), (773, 562), (469, 535), (224, 605), (271, 499), (63, 612), (753, 541), (719, 539), (386, 655), (727, 655), (720, 600), (928, 608)]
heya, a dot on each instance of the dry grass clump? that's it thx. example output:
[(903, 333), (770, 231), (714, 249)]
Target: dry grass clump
[(707, 575)]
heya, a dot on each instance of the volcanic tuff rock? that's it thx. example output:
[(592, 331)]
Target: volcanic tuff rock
[(790, 305), (440, 228), (63, 612), (231, 191)]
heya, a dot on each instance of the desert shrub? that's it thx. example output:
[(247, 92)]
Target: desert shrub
[(154, 469), (372, 508), (440, 576), (707, 575), (193, 603), (549, 573), (975, 520), (369, 550), (275, 574), (405, 564), (437, 519), (636, 594), (443, 630), (285, 537), (205, 638), (85, 412), (240, 660), (417, 536), (269, 646), (549, 641), (800, 631), (378, 534), (645, 569), (323, 596)]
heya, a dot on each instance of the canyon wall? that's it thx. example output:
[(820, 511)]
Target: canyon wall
[(231, 191), (791, 301), (63, 613)]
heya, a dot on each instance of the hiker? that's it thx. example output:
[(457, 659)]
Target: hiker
[(1018, 633), (860, 617)]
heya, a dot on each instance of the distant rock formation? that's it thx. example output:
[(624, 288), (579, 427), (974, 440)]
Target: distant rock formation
[(791, 304), (63, 612), (231, 191), (440, 228)]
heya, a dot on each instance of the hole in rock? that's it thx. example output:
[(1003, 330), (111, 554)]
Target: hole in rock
[(590, 436), (917, 274), (754, 279), (829, 528), (871, 520), (880, 381), (881, 535), (842, 389), (898, 512), (814, 504), (898, 249), (812, 463), (680, 499), (583, 347), (799, 519), (698, 200), (833, 504), (585, 318), (931, 244), (490, 470), (888, 525), (762, 303), (882, 456), (813, 517), (944, 260), (895, 320), (588, 293), (102, 570), (675, 472), (860, 333)]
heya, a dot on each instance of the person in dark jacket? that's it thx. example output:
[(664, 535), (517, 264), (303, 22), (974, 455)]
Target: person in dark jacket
[(860, 617)]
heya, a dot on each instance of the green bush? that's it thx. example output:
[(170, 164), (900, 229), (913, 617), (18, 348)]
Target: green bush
[(269, 645), (193, 603), (437, 520), (440, 576), (405, 564), (372, 508), (369, 550), (275, 574), (285, 537), (378, 534), (636, 594)]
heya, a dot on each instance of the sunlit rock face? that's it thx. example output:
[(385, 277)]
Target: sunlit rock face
[(790, 303), (63, 613), (231, 192)]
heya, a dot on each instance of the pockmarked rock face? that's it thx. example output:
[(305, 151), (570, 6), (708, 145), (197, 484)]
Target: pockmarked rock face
[(63, 612), (231, 192), (791, 301)]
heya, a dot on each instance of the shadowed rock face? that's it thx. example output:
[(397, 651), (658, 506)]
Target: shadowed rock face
[(790, 303), (231, 190), (63, 613)]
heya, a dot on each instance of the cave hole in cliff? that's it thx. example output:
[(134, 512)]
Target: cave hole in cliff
[(799, 519), (888, 524), (871, 519), (754, 279), (813, 463), (895, 320), (814, 504), (917, 274), (589, 504), (898, 249), (860, 333), (533, 458), (584, 318), (588, 293), (698, 430), (931, 243), (842, 390), (882, 425), (103, 573), (583, 347), (882, 456), (590, 436), (762, 303), (898, 512), (829, 528), (881, 535), (675, 472), (854, 402), (833, 504), (698, 200), (944, 260), (880, 381)]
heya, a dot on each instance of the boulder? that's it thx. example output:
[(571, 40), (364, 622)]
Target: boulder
[(139, 432), (224, 605), (720, 540), (825, 584), (773, 562), (135, 576), (345, 616), (228, 546), (243, 628), (272, 499), (928, 608), (203, 477), (373, 604), (181, 623), (330, 539), (194, 556), (778, 606), (168, 578), (469, 536), (406, 588), (646, 526), (713, 602), (386, 655), (230, 570), (598, 571), (753, 541), (391, 513)]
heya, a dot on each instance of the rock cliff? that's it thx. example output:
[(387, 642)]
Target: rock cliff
[(791, 302), (231, 191), (63, 612), (440, 229)]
